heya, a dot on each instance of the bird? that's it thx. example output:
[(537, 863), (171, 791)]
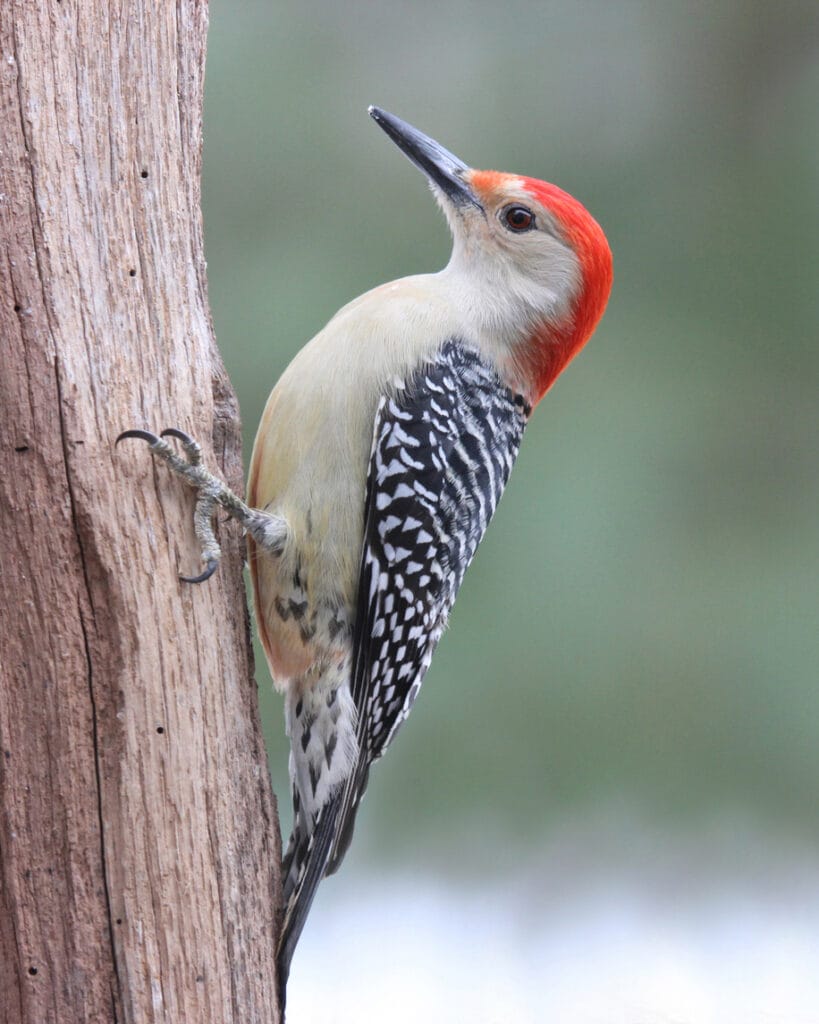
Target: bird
[(380, 458)]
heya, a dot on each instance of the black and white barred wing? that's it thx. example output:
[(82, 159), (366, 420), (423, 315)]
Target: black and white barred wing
[(443, 448)]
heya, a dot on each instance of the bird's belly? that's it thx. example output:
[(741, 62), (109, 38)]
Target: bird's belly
[(304, 617), (305, 596)]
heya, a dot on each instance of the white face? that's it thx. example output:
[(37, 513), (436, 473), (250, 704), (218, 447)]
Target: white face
[(512, 259)]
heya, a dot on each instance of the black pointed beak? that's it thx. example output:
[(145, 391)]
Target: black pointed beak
[(443, 169)]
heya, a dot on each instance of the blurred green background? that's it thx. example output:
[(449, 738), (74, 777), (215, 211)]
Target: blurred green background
[(640, 626)]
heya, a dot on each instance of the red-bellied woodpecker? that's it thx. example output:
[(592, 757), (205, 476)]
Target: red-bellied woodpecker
[(380, 458)]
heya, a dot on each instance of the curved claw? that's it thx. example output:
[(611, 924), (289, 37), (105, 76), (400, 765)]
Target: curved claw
[(210, 569), (143, 435), (192, 448), (186, 439)]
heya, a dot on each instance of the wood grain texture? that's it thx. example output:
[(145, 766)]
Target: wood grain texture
[(139, 842)]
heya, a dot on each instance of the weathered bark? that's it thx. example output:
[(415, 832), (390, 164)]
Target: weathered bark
[(139, 843)]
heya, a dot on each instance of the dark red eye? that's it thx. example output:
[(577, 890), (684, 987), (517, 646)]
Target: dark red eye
[(518, 218)]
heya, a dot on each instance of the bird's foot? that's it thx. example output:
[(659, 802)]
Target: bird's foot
[(210, 491), (268, 530)]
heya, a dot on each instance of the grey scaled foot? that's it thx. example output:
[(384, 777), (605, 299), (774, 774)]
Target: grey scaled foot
[(269, 531)]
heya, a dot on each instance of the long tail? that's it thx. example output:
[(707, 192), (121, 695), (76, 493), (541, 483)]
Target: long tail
[(303, 868), (324, 757)]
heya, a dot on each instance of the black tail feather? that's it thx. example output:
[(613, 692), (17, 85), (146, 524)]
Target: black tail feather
[(353, 794), (304, 865)]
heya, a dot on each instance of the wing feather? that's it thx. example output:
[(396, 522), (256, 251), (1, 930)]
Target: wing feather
[(443, 446)]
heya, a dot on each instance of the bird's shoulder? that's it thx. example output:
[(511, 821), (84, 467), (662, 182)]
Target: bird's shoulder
[(323, 406)]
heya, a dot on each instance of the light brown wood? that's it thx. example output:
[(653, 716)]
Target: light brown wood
[(139, 843)]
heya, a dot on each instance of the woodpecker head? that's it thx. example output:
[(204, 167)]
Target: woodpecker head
[(534, 265)]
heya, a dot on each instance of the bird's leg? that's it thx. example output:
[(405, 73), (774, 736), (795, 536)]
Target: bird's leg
[(269, 531)]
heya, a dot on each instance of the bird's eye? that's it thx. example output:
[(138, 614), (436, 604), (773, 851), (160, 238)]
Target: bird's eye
[(518, 218)]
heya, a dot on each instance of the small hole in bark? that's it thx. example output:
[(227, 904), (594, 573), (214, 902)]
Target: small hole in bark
[(132, 272), (32, 971), (160, 729), (119, 920), (143, 173), (17, 307), (21, 448)]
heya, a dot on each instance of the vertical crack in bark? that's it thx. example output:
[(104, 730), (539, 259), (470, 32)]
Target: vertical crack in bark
[(116, 995), (69, 483), (90, 677)]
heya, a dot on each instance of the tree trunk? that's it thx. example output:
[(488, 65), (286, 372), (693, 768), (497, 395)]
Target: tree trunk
[(139, 843)]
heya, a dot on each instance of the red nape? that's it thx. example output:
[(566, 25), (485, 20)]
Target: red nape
[(553, 348)]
